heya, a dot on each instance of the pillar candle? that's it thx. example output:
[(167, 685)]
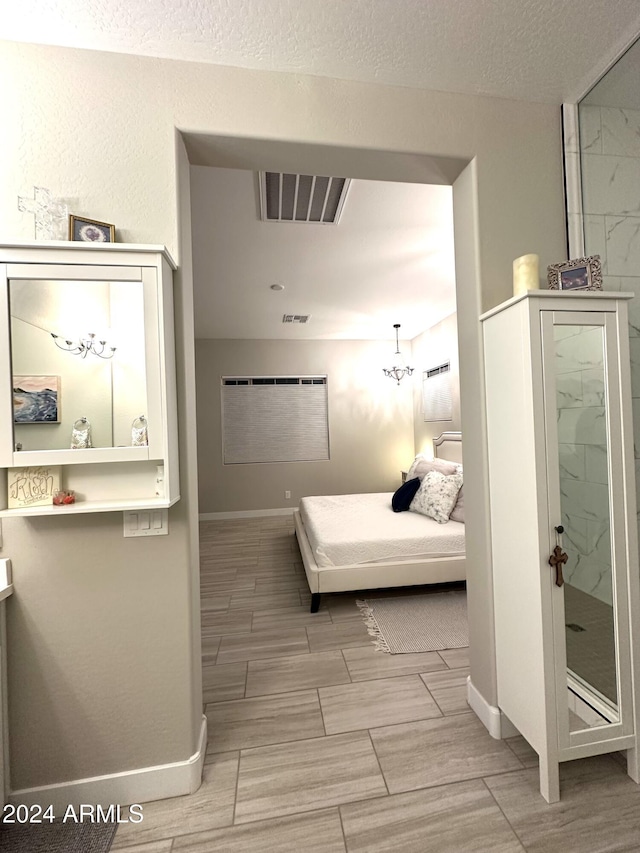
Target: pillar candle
[(525, 274)]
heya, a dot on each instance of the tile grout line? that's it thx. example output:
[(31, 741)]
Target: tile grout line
[(520, 841), (324, 725), (524, 767), (235, 795), (375, 752), (336, 684), (344, 834), (286, 742), (351, 681)]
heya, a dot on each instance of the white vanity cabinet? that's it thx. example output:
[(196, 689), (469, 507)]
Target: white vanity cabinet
[(562, 490), (53, 296)]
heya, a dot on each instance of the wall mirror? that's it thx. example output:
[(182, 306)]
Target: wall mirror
[(59, 381), (585, 504)]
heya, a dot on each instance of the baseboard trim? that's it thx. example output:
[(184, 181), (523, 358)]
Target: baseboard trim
[(133, 786), (490, 716), (246, 513)]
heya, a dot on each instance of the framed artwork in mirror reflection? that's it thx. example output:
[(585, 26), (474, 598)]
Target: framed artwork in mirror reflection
[(36, 399)]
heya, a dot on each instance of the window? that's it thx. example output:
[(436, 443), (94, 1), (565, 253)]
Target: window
[(274, 419), (436, 393)]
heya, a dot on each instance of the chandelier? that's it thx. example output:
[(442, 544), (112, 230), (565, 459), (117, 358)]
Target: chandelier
[(399, 368), (83, 346)]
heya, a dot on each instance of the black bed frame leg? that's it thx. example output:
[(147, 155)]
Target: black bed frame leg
[(315, 602)]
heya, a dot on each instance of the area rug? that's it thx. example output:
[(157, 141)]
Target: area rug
[(417, 623), (57, 837)]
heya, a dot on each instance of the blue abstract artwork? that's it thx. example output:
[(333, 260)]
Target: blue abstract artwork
[(36, 399)]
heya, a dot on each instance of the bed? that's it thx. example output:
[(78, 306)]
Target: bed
[(351, 542)]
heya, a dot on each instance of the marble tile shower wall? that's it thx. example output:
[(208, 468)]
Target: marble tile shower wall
[(583, 458), (610, 158)]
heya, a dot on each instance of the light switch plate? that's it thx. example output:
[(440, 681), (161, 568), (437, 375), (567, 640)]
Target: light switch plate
[(146, 522)]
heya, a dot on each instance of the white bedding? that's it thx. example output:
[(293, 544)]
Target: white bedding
[(345, 530)]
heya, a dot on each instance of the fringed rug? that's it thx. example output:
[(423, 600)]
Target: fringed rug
[(417, 623)]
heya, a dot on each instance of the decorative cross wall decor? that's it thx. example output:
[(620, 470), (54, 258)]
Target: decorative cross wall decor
[(52, 214)]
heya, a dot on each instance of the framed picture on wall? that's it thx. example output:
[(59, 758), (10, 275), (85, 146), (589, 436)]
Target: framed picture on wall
[(578, 274)]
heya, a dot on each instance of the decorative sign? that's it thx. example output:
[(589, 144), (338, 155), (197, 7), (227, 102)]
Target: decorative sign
[(33, 486)]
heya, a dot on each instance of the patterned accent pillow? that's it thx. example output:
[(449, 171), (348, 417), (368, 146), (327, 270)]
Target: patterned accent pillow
[(457, 513), (437, 496)]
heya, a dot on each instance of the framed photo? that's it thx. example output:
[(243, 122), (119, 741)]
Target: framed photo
[(36, 399), (90, 230), (579, 274)]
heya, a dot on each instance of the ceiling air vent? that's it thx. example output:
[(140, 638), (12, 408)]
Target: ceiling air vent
[(301, 198), (295, 318)]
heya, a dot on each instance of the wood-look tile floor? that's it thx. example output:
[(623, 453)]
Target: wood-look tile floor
[(318, 743)]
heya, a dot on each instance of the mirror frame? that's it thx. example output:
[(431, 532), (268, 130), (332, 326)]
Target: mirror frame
[(9, 457)]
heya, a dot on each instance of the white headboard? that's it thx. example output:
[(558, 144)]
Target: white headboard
[(448, 445)]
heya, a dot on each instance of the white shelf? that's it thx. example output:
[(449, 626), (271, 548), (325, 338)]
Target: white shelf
[(91, 506), (25, 458), (25, 249)]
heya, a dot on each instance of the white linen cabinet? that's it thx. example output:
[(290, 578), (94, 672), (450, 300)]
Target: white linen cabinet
[(561, 467), (64, 308)]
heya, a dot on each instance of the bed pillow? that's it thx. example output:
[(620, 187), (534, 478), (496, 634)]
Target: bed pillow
[(457, 513), (437, 495), (421, 466), (401, 500)]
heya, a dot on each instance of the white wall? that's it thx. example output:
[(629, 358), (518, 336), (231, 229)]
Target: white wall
[(433, 347), (84, 645), (370, 423)]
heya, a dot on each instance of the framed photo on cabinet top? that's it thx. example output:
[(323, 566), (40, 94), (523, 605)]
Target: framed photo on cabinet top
[(90, 230), (578, 274)]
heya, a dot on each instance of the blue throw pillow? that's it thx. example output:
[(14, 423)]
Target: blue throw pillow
[(401, 500)]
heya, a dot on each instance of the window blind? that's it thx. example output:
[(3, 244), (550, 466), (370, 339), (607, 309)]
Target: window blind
[(274, 419), (436, 393)]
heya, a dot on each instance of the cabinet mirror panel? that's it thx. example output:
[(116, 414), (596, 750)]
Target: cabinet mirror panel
[(581, 402), (78, 359)]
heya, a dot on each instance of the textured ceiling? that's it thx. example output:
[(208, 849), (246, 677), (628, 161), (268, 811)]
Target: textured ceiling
[(538, 50)]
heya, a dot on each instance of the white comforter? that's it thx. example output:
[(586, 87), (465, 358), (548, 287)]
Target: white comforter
[(345, 530)]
